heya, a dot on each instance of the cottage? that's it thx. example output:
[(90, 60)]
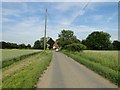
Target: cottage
[(55, 46)]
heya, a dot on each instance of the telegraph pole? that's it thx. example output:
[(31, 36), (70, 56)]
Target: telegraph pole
[(45, 30)]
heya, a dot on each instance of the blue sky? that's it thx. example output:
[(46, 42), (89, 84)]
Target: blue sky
[(23, 22)]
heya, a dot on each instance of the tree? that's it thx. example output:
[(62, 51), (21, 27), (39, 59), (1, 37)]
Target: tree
[(75, 47), (42, 43), (4, 45), (37, 44), (50, 42), (22, 46), (28, 46), (98, 41), (116, 45), (66, 37), (9, 45)]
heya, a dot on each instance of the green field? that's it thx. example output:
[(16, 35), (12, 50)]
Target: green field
[(10, 56), (12, 53), (104, 63), (25, 73)]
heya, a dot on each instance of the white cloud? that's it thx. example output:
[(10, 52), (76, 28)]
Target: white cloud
[(4, 20), (82, 31), (67, 6), (31, 28), (26, 31), (14, 12), (78, 11)]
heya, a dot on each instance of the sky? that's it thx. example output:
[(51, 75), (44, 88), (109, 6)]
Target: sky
[(23, 22)]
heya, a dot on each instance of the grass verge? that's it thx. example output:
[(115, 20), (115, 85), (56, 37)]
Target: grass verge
[(28, 76), (99, 68)]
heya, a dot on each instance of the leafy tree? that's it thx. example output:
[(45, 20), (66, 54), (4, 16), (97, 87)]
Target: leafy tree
[(3, 44), (42, 43), (98, 41), (8, 45), (0, 45), (22, 46), (84, 42), (28, 46), (75, 47), (116, 45), (37, 44), (66, 37), (50, 42)]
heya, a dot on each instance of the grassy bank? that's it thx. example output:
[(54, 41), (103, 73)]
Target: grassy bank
[(104, 63), (28, 76), (10, 56), (13, 60)]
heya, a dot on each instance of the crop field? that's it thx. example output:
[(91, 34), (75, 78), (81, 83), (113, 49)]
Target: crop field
[(25, 73), (10, 56), (12, 53), (104, 63)]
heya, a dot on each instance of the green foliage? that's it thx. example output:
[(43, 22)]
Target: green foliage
[(21, 46), (37, 45), (42, 43), (66, 37), (98, 41), (28, 76), (50, 42), (28, 46), (99, 67), (8, 45), (116, 45), (105, 58), (75, 47)]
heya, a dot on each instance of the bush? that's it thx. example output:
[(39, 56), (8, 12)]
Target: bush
[(75, 47)]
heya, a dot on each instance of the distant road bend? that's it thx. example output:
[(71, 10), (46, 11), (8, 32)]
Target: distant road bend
[(64, 72)]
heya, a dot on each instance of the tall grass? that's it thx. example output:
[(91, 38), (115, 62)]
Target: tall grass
[(6, 63), (28, 77), (105, 58), (100, 62)]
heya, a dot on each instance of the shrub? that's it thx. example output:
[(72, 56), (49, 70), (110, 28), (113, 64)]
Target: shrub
[(75, 47)]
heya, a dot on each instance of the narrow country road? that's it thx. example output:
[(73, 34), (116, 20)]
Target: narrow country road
[(64, 72)]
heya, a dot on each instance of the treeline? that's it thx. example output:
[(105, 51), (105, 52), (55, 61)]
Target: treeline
[(100, 40), (38, 44), (97, 40), (8, 45)]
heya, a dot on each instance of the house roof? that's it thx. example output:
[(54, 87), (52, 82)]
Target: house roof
[(55, 45)]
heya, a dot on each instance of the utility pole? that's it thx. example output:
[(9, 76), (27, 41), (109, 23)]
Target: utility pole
[(45, 30)]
